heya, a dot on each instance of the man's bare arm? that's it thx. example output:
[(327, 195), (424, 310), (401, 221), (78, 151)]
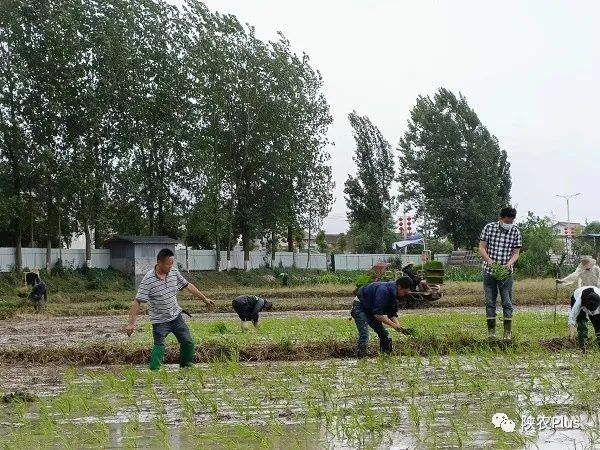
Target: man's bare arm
[(196, 293), (515, 256), (133, 313), (483, 247)]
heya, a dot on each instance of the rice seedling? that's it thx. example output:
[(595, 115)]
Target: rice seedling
[(432, 392)]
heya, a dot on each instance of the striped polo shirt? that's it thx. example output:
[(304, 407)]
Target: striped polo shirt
[(161, 295)]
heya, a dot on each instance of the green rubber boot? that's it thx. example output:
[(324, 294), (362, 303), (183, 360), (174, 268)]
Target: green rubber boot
[(156, 359), (187, 354), (582, 332)]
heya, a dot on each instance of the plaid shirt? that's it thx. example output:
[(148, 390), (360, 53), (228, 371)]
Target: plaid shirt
[(500, 243)]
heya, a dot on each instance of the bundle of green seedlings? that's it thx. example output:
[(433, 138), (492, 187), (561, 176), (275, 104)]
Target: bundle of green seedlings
[(500, 272)]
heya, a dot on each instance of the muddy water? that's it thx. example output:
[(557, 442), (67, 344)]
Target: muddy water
[(231, 392)]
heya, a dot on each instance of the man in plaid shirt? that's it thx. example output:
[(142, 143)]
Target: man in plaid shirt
[(500, 242)]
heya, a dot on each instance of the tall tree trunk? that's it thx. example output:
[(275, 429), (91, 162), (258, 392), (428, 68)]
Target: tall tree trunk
[(151, 224), (18, 249), (309, 236), (230, 234), (48, 234), (246, 246), (31, 220), (59, 236), (290, 238), (187, 255), (218, 255), (161, 215), (97, 236), (48, 253), (88, 245), (13, 156), (273, 248)]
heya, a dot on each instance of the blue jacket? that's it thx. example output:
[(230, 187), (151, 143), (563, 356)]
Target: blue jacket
[(379, 298)]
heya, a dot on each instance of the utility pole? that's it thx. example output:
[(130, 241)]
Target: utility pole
[(568, 199)]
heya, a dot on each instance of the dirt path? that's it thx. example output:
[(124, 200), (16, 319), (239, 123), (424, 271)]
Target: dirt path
[(32, 330)]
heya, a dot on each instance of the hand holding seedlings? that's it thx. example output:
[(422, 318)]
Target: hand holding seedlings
[(406, 331), (500, 272), (130, 328)]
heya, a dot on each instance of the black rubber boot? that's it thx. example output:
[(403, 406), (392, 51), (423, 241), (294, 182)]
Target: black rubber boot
[(361, 351), (385, 346), (491, 326), (507, 330)]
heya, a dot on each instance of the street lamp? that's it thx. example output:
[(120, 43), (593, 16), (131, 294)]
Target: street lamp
[(568, 228), (568, 198)]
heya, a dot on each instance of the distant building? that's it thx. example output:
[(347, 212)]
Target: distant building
[(563, 229), (136, 255), (330, 238)]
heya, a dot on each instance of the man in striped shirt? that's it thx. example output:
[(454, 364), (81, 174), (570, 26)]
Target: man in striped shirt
[(158, 289)]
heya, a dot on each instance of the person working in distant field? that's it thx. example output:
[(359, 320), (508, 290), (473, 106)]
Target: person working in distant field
[(376, 305), (159, 289), (500, 243), (586, 274), (247, 308), (585, 302), (419, 284)]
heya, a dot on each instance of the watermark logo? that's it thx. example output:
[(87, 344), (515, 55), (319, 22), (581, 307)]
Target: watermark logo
[(501, 420), (545, 423), (536, 423)]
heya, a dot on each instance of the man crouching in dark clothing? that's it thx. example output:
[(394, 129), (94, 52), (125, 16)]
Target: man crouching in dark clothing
[(376, 305), (247, 308)]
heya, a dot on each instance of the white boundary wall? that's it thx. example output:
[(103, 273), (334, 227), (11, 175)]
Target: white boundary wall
[(206, 259)]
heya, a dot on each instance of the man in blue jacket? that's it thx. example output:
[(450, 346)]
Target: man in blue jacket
[(376, 305)]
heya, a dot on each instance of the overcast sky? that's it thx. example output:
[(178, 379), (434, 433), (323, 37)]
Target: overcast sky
[(530, 69)]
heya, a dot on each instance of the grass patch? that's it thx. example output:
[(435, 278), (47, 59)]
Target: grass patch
[(294, 298), (70, 281), (308, 339)]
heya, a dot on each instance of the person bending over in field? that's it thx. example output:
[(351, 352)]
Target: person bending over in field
[(586, 274), (159, 289), (376, 305), (585, 302), (247, 308)]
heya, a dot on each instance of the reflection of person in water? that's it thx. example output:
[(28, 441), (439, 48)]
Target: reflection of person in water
[(247, 308)]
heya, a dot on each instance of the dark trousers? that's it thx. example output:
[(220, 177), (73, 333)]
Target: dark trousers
[(176, 326), (363, 321), (493, 287), (243, 309), (582, 319)]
